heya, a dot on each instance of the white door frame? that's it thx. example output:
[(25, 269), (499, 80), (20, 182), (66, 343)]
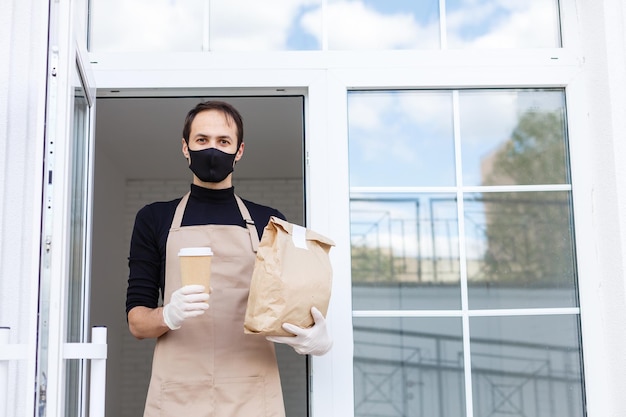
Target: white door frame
[(323, 197), (68, 64)]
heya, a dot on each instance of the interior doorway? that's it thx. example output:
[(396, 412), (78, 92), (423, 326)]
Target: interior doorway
[(138, 160)]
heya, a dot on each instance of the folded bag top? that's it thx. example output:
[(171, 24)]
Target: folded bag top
[(292, 273)]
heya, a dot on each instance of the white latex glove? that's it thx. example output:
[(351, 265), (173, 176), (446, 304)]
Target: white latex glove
[(312, 341), (188, 301)]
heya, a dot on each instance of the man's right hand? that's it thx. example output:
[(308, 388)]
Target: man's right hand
[(188, 301)]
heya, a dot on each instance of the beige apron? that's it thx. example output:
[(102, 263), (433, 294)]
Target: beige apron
[(209, 367)]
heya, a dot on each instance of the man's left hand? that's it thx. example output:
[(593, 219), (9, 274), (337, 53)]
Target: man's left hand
[(311, 341)]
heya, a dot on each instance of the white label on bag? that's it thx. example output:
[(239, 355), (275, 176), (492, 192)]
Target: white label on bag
[(299, 237)]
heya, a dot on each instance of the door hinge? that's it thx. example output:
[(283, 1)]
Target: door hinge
[(41, 405), (47, 247)]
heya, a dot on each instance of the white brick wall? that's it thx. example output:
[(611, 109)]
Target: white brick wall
[(285, 195)]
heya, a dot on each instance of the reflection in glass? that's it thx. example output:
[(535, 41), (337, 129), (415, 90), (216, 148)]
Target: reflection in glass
[(382, 24), (526, 366), (488, 24), (269, 25), (147, 25), (404, 252), (205, 25), (244, 25), (520, 250), (80, 10), (401, 138), (408, 367), (513, 137), (76, 317)]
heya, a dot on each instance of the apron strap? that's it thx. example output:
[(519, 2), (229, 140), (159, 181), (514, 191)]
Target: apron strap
[(180, 210), (254, 235)]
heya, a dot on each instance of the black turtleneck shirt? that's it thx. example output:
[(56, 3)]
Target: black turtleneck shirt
[(146, 280)]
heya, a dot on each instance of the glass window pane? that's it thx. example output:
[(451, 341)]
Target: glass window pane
[(520, 250), (202, 25), (503, 24), (383, 24), (518, 246), (513, 137), (147, 25), (76, 314), (401, 138), (408, 367), (270, 25), (405, 252), (81, 21), (526, 366)]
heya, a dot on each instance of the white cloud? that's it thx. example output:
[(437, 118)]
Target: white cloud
[(122, 25), (170, 25), (254, 25), (382, 128), (487, 116), (167, 25), (432, 110), (529, 23), (388, 122), (369, 115), (366, 110), (353, 25)]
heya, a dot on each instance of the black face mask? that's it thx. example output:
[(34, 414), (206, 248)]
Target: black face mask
[(211, 165)]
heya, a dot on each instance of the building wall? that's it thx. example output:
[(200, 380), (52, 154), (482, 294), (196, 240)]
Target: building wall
[(598, 95), (23, 41), (23, 46), (603, 42)]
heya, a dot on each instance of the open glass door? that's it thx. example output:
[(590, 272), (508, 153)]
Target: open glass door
[(63, 348), (79, 240)]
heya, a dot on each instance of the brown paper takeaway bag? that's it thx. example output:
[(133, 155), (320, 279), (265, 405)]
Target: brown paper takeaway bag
[(292, 273)]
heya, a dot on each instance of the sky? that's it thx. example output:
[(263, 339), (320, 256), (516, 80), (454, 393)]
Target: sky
[(235, 25), (406, 139)]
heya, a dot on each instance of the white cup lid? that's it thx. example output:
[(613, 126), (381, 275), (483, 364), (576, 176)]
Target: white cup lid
[(205, 251)]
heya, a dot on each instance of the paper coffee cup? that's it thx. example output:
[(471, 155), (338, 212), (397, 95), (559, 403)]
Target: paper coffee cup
[(195, 266)]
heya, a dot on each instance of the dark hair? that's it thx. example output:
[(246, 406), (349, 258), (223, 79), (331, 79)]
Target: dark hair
[(228, 110)]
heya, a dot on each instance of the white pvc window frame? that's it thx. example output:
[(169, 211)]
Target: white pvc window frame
[(325, 78), (324, 196), (460, 190), (67, 54), (327, 192), (550, 75)]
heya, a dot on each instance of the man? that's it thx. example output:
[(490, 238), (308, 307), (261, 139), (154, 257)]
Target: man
[(204, 365)]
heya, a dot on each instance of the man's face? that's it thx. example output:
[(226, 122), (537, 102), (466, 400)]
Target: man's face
[(211, 129)]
